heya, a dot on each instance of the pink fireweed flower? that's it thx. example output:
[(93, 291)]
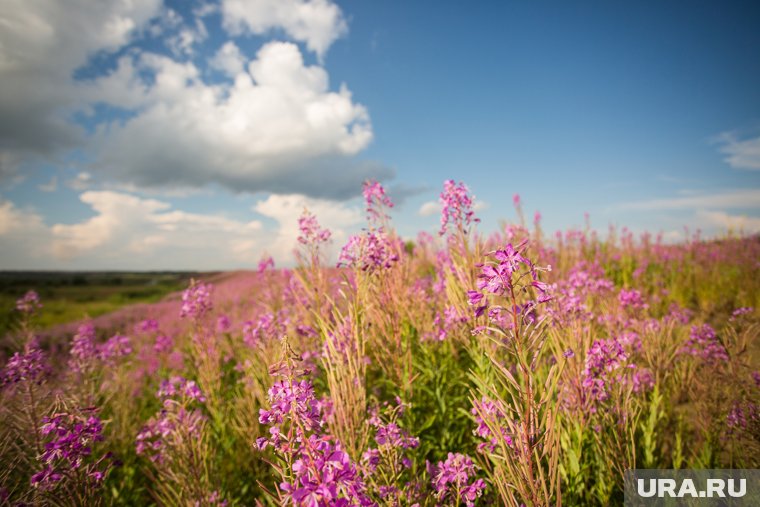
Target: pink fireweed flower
[(268, 327), (68, 450), (319, 473), (704, 343), (457, 206), (602, 360), (632, 299), (29, 303), (370, 251), (740, 312), (292, 400), (179, 386), (499, 277), (83, 347), (265, 263), (452, 480), (223, 324), (146, 326), (445, 323), (196, 300), (117, 346), (175, 423), (310, 231), (163, 343), (325, 476), (376, 199), (29, 366), (490, 414)]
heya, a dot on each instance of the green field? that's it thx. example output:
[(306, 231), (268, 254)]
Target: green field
[(69, 296)]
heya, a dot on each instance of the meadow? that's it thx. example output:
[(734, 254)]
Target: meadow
[(519, 368)]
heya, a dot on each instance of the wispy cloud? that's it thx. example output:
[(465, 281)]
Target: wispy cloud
[(736, 223), (729, 199), (741, 153)]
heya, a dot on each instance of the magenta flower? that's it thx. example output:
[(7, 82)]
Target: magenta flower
[(376, 199), (83, 348), (603, 358), (311, 232), (632, 299), (452, 480), (196, 300), (29, 303), (370, 251), (457, 206), (704, 343), (265, 263), (69, 448), (29, 366)]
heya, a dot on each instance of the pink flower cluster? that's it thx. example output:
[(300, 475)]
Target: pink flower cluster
[(490, 414), (370, 251), (457, 206), (321, 474), (29, 303), (196, 300), (500, 277), (310, 231), (69, 449), (175, 423), (452, 480), (704, 343), (29, 366), (376, 199)]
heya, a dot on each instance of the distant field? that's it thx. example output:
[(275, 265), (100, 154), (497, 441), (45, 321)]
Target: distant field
[(69, 296)]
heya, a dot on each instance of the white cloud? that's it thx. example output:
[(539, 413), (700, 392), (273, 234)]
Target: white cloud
[(278, 128), (228, 59), (128, 232), (734, 223), (318, 23), (732, 199), (81, 181), (125, 224), (23, 238), (41, 43), (285, 210), (430, 208), (741, 154), (275, 126)]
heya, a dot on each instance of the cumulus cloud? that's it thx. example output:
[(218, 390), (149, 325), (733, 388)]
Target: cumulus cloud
[(275, 125), (318, 23), (740, 154), (228, 59), (41, 44), (125, 225), (127, 232), (429, 208), (277, 128), (23, 238)]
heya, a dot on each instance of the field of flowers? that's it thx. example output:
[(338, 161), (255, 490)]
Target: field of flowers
[(514, 369)]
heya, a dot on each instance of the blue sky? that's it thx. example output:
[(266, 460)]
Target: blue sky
[(190, 135)]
